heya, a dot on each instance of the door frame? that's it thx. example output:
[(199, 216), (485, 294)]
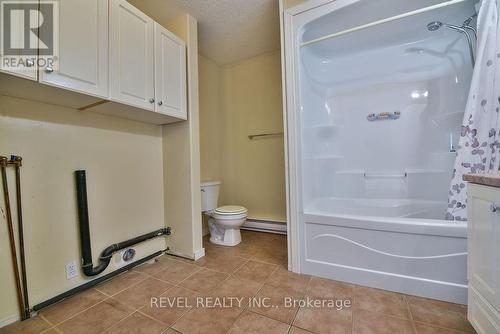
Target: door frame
[(291, 107)]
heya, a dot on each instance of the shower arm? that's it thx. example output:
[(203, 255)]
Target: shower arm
[(467, 25), (474, 31), (464, 30), (471, 47)]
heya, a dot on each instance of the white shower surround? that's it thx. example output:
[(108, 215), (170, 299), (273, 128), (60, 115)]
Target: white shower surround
[(375, 224)]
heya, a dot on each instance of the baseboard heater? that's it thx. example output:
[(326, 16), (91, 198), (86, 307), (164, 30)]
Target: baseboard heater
[(268, 226)]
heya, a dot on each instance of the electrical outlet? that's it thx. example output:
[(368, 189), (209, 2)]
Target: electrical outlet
[(71, 270)]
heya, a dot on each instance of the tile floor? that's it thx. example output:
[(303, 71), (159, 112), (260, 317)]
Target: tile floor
[(255, 268)]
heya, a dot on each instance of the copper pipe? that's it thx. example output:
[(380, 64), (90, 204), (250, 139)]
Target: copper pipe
[(8, 213), (17, 162)]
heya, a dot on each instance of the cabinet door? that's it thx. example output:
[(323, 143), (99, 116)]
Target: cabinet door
[(82, 63), (27, 68), (170, 73), (484, 242), (131, 56)]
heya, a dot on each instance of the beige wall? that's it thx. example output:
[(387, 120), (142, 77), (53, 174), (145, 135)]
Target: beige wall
[(211, 124), (123, 160), (181, 145), (211, 119), (252, 172), (140, 178)]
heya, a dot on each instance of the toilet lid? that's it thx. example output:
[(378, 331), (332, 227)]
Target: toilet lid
[(230, 210)]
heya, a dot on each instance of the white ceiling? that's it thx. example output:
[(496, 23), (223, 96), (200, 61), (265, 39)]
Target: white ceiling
[(228, 30)]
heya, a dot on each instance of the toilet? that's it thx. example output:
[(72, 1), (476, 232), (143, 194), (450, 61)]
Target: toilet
[(224, 222)]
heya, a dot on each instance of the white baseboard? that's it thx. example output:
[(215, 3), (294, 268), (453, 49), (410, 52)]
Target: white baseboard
[(199, 254), (9, 320), (268, 226), (179, 254), (196, 256)]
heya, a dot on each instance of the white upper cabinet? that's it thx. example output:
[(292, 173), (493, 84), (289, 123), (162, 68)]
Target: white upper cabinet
[(131, 58), (18, 42), (83, 48), (111, 57), (170, 73)]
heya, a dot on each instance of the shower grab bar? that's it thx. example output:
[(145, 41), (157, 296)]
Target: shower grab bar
[(386, 176), (386, 20), (384, 116), (263, 135)]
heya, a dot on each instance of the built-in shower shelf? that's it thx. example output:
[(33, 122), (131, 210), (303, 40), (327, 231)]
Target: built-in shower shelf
[(449, 115), (325, 157), (447, 153), (350, 171), (385, 173), (425, 171), (323, 127)]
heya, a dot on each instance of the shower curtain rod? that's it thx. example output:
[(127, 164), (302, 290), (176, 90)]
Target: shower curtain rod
[(389, 19)]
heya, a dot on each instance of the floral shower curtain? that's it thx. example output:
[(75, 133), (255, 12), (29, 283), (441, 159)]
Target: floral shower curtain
[(479, 146)]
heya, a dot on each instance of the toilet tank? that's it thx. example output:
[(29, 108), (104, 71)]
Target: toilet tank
[(209, 195)]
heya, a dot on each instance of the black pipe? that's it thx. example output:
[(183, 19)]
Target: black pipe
[(94, 282), (105, 257)]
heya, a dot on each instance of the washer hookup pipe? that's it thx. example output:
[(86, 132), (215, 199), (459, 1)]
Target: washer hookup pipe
[(3, 167), (17, 161)]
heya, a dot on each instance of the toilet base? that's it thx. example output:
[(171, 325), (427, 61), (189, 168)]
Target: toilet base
[(224, 237)]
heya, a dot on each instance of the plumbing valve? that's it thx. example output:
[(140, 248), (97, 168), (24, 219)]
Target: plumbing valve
[(16, 160)]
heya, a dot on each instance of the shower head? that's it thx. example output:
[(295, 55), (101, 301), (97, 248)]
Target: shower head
[(436, 25), (433, 26)]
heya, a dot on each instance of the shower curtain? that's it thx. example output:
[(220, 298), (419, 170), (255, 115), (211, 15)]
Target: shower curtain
[(479, 146)]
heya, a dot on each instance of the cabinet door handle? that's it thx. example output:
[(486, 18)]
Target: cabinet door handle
[(151, 100), (494, 207), (160, 103), (49, 69)]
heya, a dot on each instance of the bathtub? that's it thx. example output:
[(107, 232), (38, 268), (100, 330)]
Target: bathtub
[(374, 107), (387, 207), (423, 257)]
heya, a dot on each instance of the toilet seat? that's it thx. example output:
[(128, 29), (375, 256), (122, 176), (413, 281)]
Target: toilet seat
[(230, 210)]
